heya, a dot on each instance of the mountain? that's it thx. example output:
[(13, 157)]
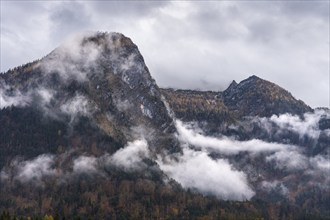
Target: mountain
[(86, 132)]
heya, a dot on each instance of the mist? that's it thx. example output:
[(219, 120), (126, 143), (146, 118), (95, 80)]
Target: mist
[(30, 170), (131, 156), (198, 171), (306, 125), (10, 97), (224, 144), (73, 57)]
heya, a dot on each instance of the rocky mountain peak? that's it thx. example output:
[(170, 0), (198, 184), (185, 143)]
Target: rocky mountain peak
[(253, 77), (231, 86), (256, 96)]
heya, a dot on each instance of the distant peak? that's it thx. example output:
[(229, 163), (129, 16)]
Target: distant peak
[(233, 83), (253, 77)]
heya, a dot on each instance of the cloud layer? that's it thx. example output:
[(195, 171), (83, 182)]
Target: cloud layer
[(213, 165), (226, 145)]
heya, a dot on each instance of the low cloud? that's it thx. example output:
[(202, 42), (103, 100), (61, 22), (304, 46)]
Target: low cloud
[(73, 57), (276, 186), (43, 98), (226, 145), (11, 97), (85, 164), (196, 170), (35, 169), (78, 105), (289, 160), (131, 156), (307, 125)]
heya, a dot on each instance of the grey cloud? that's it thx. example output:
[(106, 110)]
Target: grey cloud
[(125, 9), (290, 9), (67, 18), (213, 20), (310, 9), (24, 35)]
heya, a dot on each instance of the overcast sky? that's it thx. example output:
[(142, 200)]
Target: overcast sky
[(196, 45)]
